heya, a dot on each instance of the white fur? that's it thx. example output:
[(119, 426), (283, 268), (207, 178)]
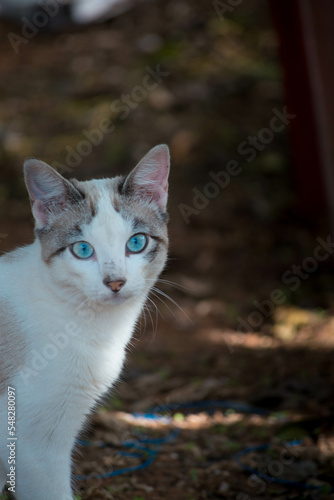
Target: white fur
[(65, 312)]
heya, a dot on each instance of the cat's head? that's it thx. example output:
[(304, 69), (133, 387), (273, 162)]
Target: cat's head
[(104, 240)]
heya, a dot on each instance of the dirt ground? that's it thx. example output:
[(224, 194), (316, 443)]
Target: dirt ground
[(246, 310)]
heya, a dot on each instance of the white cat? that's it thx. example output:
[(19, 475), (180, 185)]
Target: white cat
[(68, 306)]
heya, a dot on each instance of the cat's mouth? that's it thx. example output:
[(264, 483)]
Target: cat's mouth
[(116, 298)]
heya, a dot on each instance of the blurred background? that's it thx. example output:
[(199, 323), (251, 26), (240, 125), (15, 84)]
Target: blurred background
[(240, 91)]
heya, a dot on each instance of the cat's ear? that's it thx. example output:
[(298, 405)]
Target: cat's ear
[(149, 178), (49, 192)]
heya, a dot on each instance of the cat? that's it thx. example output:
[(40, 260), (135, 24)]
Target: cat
[(69, 303)]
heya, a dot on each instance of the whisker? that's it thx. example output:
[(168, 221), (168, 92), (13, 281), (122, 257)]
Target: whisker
[(161, 300), (154, 326), (173, 302), (140, 327), (146, 310), (157, 312), (170, 283)]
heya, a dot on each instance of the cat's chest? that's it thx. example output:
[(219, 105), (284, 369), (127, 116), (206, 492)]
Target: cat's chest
[(84, 351), (97, 357), (94, 369)]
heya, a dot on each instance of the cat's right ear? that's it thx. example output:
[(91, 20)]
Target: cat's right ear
[(49, 192)]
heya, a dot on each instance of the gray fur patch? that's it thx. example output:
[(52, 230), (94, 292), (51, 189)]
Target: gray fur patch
[(145, 217), (67, 225), (65, 228)]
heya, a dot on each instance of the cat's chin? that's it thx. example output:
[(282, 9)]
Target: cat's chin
[(116, 299)]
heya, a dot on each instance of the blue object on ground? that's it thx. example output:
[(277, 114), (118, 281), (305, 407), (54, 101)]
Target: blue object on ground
[(140, 447)]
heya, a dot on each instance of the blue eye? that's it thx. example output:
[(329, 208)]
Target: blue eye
[(82, 250), (137, 243)]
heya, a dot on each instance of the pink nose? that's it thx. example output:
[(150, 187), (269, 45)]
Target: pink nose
[(115, 286)]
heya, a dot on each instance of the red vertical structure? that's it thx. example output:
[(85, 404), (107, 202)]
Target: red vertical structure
[(306, 33)]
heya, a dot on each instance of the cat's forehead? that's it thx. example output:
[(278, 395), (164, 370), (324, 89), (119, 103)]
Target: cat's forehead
[(103, 198), (108, 204), (100, 192)]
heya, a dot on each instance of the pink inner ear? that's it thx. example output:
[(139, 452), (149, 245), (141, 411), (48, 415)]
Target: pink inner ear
[(160, 196), (151, 175), (156, 187), (40, 212), (162, 177)]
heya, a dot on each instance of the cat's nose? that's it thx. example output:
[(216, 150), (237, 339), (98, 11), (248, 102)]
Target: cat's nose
[(115, 286)]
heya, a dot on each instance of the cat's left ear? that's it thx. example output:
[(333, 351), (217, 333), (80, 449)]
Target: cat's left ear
[(150, 177), (49, 192)]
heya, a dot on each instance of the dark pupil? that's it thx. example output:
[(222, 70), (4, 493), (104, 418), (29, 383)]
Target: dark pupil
[(84, 248), (135, 240)]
